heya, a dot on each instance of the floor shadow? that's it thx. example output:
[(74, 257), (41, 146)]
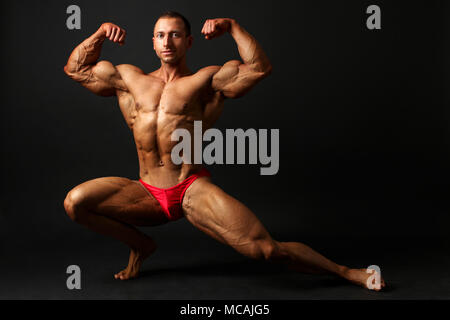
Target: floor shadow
[(272, 276), (238, 268)]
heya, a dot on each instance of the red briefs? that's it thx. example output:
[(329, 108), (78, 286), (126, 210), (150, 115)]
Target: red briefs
[(171, 198)]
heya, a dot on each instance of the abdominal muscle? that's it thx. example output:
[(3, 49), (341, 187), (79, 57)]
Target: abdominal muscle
[(154, 146)]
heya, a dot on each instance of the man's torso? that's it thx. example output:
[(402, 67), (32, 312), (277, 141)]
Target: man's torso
[(153, 109)]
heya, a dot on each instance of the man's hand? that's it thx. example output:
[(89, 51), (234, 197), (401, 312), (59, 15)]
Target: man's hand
[(214, 28), (113, 32)]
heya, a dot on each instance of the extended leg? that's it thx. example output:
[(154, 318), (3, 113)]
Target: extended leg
[(226, 219)]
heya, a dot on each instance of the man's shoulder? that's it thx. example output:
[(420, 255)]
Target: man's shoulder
[(129, 69), (213, 70), (210, 70), (205, 74)]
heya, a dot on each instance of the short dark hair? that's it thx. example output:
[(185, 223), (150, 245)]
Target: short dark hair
[(174, 14)]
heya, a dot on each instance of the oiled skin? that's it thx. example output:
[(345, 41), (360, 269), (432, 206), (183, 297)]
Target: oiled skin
[(156, 104), (154, 109)]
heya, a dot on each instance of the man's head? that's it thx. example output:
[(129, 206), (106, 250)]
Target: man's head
[(171, 37)]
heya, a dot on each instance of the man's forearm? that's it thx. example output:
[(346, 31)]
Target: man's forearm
[(86, 53), (249, 49)]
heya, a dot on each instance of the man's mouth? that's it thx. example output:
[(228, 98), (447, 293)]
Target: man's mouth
[(167, 52)]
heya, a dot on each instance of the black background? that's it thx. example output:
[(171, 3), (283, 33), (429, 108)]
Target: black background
[(363, 117)]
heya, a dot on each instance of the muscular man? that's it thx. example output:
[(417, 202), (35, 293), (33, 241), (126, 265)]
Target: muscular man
[(154, 105)]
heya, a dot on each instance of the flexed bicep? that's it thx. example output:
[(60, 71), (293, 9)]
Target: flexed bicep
[(236, 78), (102, 79)]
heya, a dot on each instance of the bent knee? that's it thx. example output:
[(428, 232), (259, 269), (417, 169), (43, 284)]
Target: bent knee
[(73, 204)]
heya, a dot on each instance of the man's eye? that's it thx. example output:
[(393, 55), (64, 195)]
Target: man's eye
[(175, 34)]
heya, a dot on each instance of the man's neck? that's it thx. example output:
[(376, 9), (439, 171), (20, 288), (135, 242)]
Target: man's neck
[(170, 72)]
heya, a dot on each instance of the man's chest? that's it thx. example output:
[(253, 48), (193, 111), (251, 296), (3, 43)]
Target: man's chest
[(151, 102), (168, 100)]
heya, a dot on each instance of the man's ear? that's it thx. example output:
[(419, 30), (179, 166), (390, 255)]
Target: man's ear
[(190, 41)]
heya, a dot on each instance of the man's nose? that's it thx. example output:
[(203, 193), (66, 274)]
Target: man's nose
[(166, 41)]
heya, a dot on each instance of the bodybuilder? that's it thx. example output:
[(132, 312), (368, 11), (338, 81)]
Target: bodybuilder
[(154, 105)]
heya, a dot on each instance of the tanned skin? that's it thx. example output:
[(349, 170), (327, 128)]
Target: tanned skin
[(154, 105)]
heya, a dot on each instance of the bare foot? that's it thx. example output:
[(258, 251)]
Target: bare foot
[(137, 256), (361, 277)]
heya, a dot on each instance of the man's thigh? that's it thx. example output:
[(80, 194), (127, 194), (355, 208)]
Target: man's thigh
[(118, 198), (222, 217)]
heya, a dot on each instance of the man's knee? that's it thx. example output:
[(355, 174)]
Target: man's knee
[(73, 204), (269, 250)]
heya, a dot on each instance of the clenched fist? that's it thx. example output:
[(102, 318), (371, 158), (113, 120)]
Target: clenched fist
[(216, 27), (113, 32)]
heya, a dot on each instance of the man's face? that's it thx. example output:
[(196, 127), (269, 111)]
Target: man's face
[(169, 40)]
